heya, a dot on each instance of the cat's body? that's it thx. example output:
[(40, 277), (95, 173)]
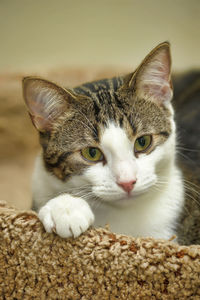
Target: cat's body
[(109, 152)]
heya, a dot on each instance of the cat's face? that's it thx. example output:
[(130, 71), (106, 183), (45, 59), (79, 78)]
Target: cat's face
[(113, 137)]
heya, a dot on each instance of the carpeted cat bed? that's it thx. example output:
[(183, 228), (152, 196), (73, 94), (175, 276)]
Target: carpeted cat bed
[(97, 265)]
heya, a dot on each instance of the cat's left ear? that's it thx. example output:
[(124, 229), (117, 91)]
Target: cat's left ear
[(152, 79)]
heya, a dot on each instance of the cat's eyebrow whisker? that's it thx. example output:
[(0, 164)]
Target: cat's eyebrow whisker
[(93, 128), (87, 119), (139, 121)]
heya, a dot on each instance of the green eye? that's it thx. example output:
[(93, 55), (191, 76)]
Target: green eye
[(92, 154), (142, 143)]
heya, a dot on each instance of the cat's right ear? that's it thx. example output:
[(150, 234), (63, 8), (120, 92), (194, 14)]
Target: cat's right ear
[(45, 101), (152, 79)]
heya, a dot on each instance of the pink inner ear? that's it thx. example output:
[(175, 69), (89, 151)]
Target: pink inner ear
[(154, 78), (39, 115), (45, 101), (40, 123), (159, 92)]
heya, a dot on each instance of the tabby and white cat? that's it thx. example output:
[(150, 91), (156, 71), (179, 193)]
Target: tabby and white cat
[(108, 152)]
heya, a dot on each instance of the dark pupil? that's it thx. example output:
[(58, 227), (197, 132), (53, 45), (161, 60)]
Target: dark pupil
[(142, 141), (92, 152)]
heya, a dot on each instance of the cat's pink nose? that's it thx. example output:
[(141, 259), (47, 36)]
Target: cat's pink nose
[(127, 186)]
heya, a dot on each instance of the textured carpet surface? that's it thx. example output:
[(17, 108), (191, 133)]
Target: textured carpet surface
[(97, 265)]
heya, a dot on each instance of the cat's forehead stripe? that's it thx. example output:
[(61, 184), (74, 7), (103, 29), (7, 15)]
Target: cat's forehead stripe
[(92, 88), (106, 104)]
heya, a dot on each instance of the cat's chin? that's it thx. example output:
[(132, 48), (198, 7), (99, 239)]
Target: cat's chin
[(126, 201), (120, 200)]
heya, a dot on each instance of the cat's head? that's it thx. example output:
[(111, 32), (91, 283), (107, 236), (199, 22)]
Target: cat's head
[(113, 137)]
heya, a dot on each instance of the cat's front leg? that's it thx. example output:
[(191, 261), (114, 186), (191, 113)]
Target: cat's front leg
[(66, 215)]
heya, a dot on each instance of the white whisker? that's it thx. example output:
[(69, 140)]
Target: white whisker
[(93, 128)]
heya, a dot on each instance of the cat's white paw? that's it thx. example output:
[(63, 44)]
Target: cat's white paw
[(66, 215)]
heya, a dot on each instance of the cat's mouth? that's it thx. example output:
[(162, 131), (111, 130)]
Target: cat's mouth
[(124, 201), (120, 199), (129, 198)]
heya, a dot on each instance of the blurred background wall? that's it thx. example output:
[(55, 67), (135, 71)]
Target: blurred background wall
[(48, 33)]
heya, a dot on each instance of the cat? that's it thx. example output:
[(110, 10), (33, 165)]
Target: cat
[(108, 152)]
